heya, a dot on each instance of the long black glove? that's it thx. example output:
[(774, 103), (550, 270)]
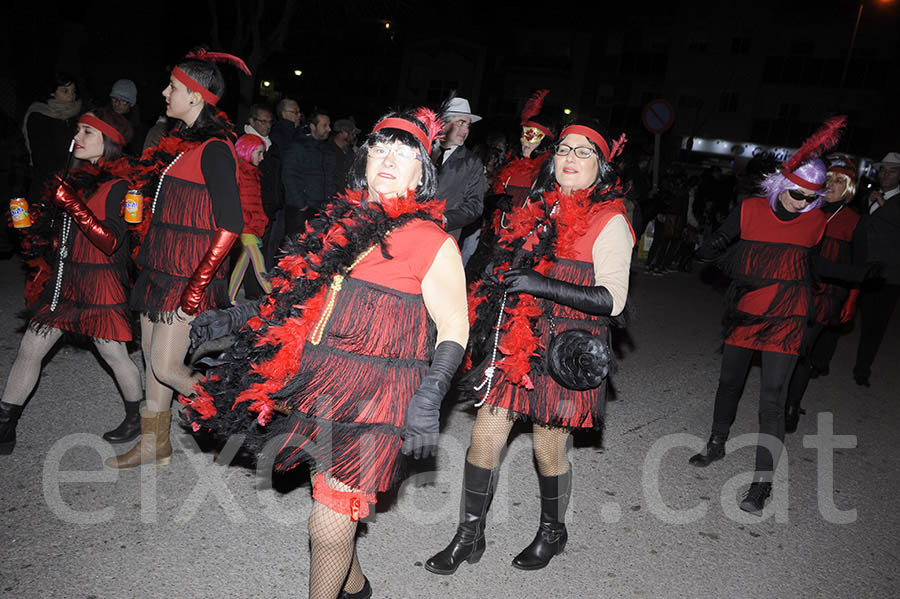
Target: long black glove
[(420, 435), (213, 324), (713, 247), (595, 299)]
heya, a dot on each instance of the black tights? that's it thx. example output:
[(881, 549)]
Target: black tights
[(776, 374)]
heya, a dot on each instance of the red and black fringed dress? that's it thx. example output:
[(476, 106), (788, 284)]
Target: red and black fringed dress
[(770, 299), (340, 346), (197, 195), (90, 294), (559, 234), (830, 297)]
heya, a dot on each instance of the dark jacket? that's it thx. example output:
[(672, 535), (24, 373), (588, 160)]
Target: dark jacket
[(878, 235), (283, 134), (337, 163), (272, 187), (461, 184), (303, 174)]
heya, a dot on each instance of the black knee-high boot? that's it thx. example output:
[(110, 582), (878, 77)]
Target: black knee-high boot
[(552, 535), (9, 417), (468, 543)]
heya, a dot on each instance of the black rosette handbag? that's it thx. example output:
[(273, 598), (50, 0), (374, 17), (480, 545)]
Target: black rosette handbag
[(577, 359)]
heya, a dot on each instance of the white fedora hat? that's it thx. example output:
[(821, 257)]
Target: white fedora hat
[(460, 106)]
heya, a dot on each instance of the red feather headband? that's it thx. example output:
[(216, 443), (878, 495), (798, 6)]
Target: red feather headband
[(104, 127), (193, 85), (817, 144), (595, 137), (423, 115)]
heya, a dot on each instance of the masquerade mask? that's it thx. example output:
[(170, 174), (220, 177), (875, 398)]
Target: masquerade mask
[(532, 135)]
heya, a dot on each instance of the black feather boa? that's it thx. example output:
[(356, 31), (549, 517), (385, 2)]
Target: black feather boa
[(265, 358)]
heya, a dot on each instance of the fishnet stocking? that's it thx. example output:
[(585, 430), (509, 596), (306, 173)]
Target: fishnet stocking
[(355, 579), (332, 549), (489, 437), (491, 431), (26, 370), (165, 346), (125, 372), (550, 450)]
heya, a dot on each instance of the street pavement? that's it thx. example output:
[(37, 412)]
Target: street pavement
[(642, 522)]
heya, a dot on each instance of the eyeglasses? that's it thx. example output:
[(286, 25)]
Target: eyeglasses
[(401, 153), (263, 121), (801, 197), (580, 151)]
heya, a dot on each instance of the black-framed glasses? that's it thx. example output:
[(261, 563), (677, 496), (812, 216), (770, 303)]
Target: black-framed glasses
[(801, 197), (580, 151), (265, 121), (401, 153)]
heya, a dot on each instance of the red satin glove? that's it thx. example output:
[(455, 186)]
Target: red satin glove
[(849, 309), (206, 270), (99, 234)]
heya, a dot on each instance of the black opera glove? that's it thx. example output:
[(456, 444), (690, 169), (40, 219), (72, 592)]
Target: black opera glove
[(596, 300), (422, 428), (214, 324), (713, 247)]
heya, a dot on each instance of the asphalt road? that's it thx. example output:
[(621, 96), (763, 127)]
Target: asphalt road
[(642, 522)]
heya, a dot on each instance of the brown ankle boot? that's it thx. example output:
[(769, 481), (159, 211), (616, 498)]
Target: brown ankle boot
[(154, 445)]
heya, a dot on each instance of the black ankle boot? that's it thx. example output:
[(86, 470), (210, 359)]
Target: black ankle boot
[(715, 450), (756, 496), (468, 543), (9, 418), (552, 535), (363, 593), (129, 428)]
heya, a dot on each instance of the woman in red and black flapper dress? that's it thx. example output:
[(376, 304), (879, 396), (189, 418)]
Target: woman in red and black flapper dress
[(192, 217), (770, 300), (834, 299), (562, 263), (85, 292), (334, 369)]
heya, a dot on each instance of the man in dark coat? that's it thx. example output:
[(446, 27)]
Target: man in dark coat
[(878, 236), (461, 181)]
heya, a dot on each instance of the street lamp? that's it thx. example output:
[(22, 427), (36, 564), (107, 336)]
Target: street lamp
[(297, 72)]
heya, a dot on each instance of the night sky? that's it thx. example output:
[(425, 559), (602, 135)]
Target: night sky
[(335, 43)]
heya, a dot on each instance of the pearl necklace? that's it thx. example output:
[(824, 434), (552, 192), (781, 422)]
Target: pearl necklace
[(159, 186), (63, 254), (492, 368)]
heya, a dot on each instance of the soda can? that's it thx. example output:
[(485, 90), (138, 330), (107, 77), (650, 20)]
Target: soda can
[(18, 208), (134, 206)]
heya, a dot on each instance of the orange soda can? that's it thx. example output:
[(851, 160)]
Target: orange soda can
[(134, 206), (18, 208)]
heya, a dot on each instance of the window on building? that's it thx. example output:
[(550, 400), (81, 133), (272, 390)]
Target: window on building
[(728, 101), (698, 46), (740, 45), (772, 72)]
